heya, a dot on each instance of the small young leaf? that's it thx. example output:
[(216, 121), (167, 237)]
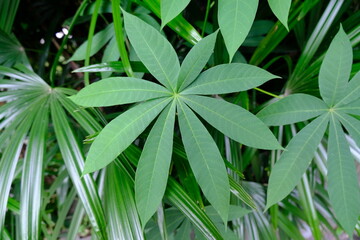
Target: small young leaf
[(292, 164), (98, 41), (120, 133), (233, 121), (118, 90), (195, 61), (281, 10), (292, 109), (205, 161), (335, 69), (154, 50), (342, 178), (228, 78), (352, 90), (235, 20), (170, 9), (153, 168)]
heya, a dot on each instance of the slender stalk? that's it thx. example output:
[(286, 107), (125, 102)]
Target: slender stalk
[(58, 54), (267, 93), (206, 18), (90, 38), (119, 33)]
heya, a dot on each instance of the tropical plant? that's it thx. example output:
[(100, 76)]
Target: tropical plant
[(173, 148)]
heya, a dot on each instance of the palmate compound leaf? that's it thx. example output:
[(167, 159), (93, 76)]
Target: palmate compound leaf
[(281, 10), (233, 121), (235, 20), (196, 60), (228, 78), (335, 69), (121, 132), (205, 160), (119, 90), (170, 9), (154, 50), (153, 167), (292, 109), (343, 187), (287, 172)]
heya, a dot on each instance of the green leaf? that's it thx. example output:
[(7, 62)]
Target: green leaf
[(343, 185), (32, 176), (153, 167), (99, 40), (351, 124), (118, 90), (228, 78), (235, 20), (111, 53), (154, 50), (281, 10), (74, 162), (293, 162), (352, 108), (120, 133), (233, 121), (234, 213), (9, 160), (292, 109), (352, 91), (335, 69), (180, 199), (112, 67), (11, 51), (205, 161), (196, 60), (170, 9), (123, 220)]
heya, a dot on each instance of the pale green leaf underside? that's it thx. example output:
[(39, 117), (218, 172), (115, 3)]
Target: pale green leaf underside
[(154, 50), (351, 124), (121, 132), (118, 90), (98, 41), (233, 121), (335, 69), (196, 60), (205, 161), (352, 90), (235, 20), (343, 187), (170, 9), (292, 109), (228, 78), (293, 162), (153, 168), (281, 10)]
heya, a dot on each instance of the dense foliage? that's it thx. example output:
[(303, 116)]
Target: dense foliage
[(164, 119)]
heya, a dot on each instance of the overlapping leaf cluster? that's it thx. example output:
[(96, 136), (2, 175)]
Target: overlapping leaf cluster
[(181, 90), (341, 101)]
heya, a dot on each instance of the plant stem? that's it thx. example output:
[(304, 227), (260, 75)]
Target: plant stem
[(58, 54), (120, 37), (267, 93), (90, 37)]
